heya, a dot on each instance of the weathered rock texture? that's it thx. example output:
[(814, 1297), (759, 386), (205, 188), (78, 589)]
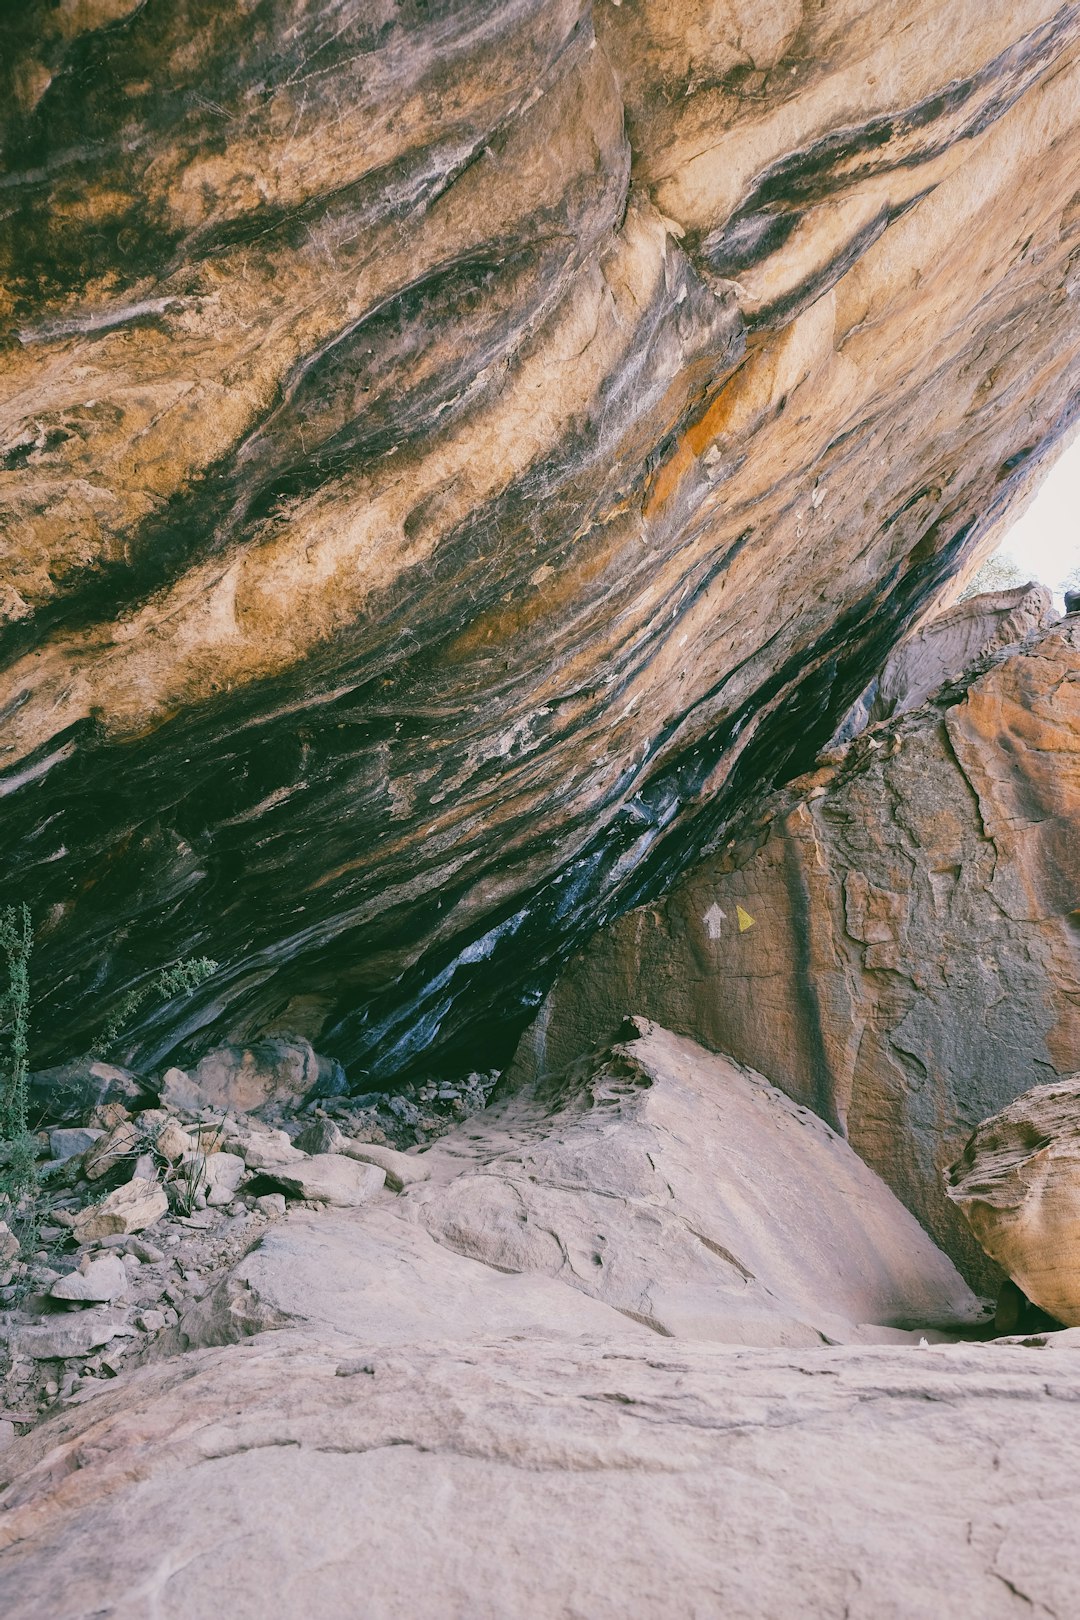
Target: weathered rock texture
[(453, 454), (656, 1184), (945, 647), (1018, 1184), (895, 943), (606, 1477), (440, 1404)]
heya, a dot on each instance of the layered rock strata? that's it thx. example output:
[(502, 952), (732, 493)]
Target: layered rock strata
[(895, 941), (452, 456), (945, 647), (1017, 1183)]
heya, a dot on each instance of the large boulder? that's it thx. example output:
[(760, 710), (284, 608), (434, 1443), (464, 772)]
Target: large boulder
[(655, 1184), (894, 941), (622, 1476), (454, 455), (1018, 1185), (690, 1194)]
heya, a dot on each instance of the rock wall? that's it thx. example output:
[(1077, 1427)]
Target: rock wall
[(895, 941), (453, 455)]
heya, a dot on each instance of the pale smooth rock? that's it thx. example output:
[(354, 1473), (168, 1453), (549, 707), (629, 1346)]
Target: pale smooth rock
[(64, 1336), (263, 1150), (1017, 1183), (218, 1175), (893, 941), (330, 1178), (615, 1478), (131, 1208), (69, 1143), (272, 1204), (99, 1281), (692, 1195), (402, 1169)]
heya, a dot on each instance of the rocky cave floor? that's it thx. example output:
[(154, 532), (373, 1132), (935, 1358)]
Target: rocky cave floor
[(78, 1341), (651, 1300)]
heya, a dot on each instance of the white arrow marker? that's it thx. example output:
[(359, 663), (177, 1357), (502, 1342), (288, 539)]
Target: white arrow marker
[(712, 920)]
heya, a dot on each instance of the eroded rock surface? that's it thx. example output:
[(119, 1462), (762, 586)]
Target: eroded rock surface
[(895, 942), (1018, 1185), (945, 647), (453, 455), (440, 1402), (531, 1477)]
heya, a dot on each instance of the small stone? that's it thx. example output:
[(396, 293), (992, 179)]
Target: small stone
[(97, 1281), (119, 1143), (216, 1176), (272, 1205), (106, 1116), (152, 1120), (131, 1208), (7, 1433), (65, 1336), (321, 1136), (52, 1389), (174, 1142), (144, 1250), (150, 1321), (67, 1144), (331, 1178), (145, 1168)]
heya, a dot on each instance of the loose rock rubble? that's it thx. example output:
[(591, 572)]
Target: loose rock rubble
[(150, 1191)]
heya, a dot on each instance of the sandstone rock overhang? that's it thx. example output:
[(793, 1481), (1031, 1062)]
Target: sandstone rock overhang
[(451, 462)]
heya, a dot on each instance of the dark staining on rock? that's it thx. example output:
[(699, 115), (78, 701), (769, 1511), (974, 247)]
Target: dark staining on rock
[(128, 107), (843, 159)]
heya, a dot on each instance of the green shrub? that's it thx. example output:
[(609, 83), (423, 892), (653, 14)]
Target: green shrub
[(179, 978), (18, 1148)]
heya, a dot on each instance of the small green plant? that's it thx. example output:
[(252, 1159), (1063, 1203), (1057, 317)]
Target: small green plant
[(191, 1177), (179, 978), (18, 1147)]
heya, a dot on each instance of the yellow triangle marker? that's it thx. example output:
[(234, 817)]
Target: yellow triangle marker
[(745, 919)]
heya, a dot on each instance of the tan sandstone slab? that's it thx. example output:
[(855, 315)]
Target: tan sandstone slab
[(306, 1475)]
